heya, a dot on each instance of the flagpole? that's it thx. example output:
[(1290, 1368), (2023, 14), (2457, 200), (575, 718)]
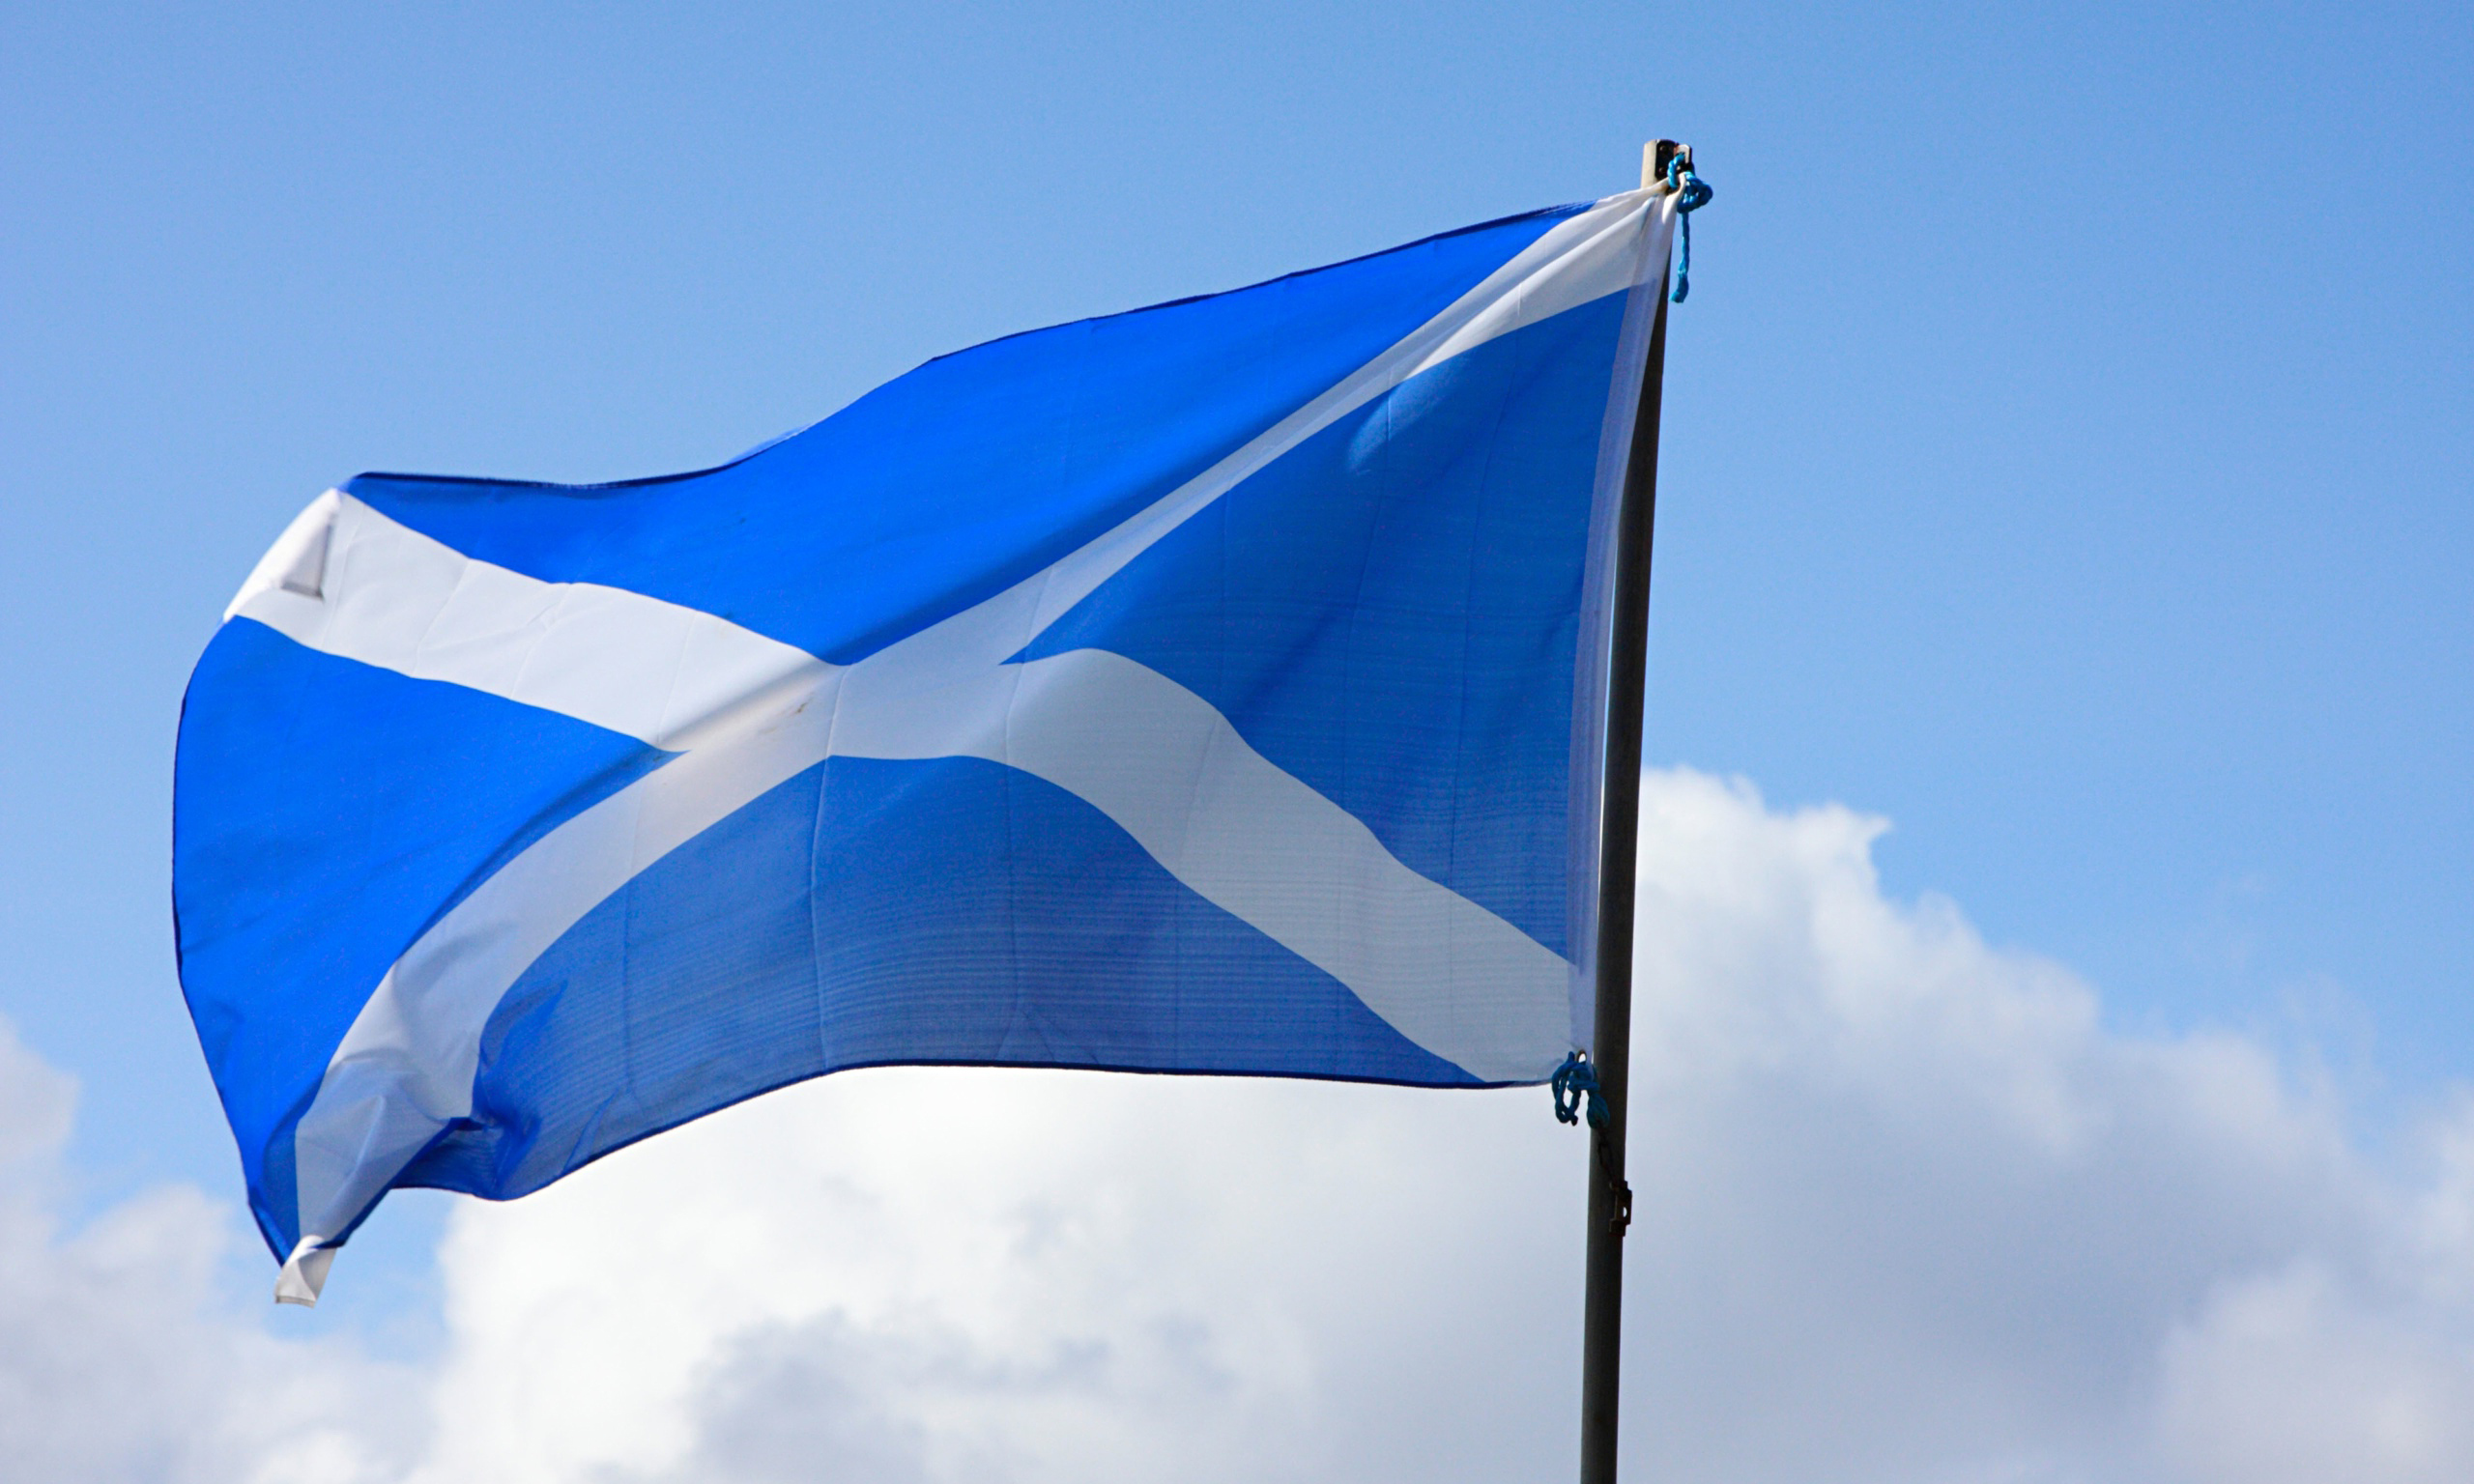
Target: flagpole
[(1610, 1197)]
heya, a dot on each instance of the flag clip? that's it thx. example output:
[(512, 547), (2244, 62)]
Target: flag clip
[(1575, 1086)]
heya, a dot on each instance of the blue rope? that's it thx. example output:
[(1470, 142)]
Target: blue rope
[(1575, 1082), (1696, 193)]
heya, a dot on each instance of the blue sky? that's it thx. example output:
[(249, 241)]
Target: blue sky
[(2069, 437)]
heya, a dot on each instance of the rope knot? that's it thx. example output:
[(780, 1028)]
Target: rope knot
[(1575, 1085), (1694, 194)]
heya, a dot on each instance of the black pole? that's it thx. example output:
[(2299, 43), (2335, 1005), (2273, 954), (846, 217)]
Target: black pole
[(1610, 1198)]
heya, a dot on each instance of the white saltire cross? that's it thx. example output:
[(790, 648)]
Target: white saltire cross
[(745, 713)]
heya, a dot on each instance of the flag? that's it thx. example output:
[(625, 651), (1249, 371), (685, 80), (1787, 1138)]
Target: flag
[(1217, 687)]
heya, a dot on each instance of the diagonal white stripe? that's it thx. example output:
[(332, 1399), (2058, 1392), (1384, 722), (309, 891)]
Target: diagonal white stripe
[(748, 713), (387, 595)]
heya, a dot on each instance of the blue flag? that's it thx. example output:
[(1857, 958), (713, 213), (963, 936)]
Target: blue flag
[(1217, 687)]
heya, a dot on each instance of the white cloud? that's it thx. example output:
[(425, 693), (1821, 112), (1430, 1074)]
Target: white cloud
[(1907, 1211), (120, 1361)]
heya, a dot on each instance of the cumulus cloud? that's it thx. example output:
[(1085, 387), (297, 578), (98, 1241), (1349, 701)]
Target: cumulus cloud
[(1907, 1210), (121, 1360)]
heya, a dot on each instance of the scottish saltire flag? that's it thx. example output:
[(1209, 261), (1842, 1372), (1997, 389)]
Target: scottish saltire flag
[(1212, 688)]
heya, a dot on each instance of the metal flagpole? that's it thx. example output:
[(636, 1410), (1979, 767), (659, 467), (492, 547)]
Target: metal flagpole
[(1610, 1197)]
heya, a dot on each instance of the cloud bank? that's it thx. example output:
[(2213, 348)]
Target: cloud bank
[(1907, 1210)]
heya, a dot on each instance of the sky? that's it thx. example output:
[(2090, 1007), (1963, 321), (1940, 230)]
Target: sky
[(2062, 618)]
